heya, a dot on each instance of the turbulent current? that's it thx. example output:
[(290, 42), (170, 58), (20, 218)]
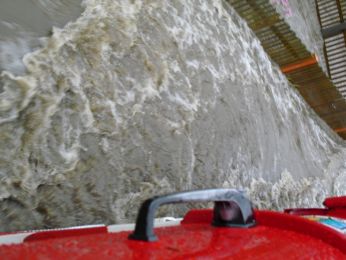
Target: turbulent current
[(143, 97)]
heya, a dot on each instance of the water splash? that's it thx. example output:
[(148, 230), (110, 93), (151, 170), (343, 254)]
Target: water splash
[(135, 99)]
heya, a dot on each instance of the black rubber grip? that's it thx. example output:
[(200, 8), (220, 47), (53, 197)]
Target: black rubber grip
[(231, 209)]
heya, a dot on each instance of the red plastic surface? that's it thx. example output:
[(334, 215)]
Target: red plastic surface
[(335, 202), (336, 207), (283, 222), (337, 212), (277, 235), (65, 233)]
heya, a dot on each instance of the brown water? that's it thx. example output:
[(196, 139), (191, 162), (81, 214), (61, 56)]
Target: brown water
[(24, 24)]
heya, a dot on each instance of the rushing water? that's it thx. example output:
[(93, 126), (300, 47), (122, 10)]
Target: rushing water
[(136, 98), (24, 24)]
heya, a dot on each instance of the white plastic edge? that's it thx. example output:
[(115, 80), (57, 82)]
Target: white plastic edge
[(19, 238)]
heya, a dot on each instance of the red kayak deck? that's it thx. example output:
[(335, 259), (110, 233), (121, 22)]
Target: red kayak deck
[(276, 235), (271, 235), (334, 207)]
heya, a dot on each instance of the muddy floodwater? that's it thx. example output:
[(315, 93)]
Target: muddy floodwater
[(135, 98), (24, 25)]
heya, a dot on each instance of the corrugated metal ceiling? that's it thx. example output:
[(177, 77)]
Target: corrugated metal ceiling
[(324, 94)]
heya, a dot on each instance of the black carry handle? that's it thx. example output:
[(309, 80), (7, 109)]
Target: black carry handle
[(231, 209)]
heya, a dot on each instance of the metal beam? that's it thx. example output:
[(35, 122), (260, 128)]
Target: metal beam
[(299, 65), (333, 30)]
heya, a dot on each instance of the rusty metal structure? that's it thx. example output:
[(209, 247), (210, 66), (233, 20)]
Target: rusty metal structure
[(332, 15), (324, 93)]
